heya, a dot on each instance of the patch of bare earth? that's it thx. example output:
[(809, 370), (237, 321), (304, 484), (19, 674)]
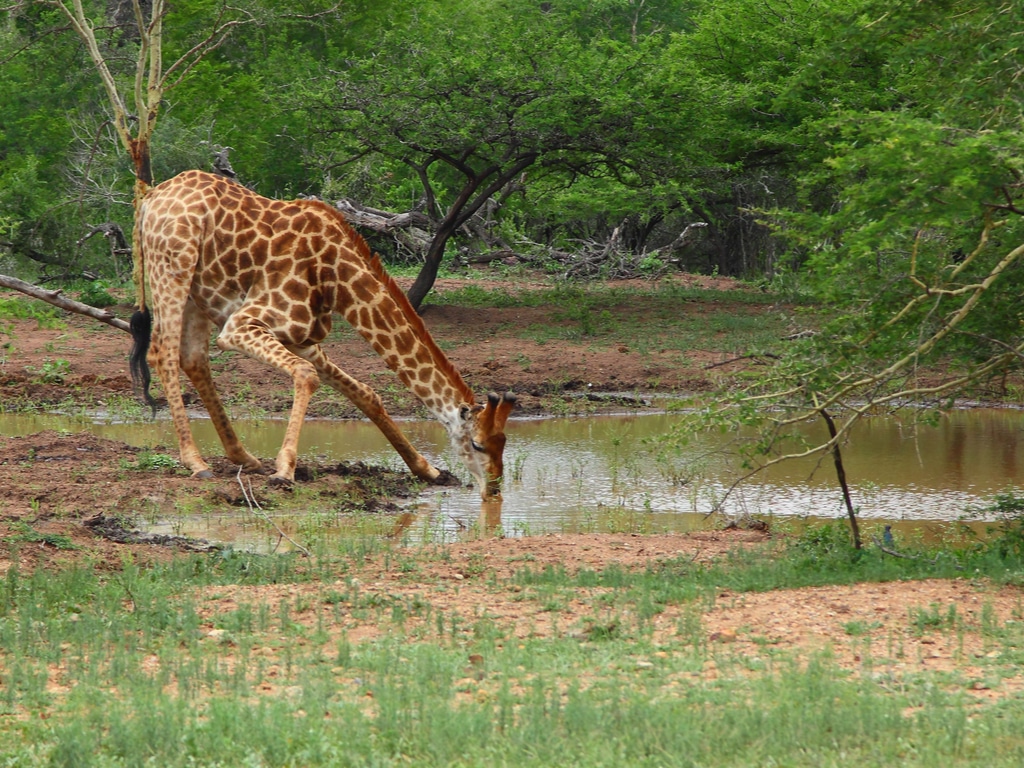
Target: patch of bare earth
[(875, 630), (74, 497), (893, 628)]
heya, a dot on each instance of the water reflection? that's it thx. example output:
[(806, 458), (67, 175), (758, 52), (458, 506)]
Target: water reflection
[(489, 521), (402, 525), (570, 473)]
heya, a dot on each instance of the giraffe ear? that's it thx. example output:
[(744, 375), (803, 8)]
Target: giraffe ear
[(466, 411), (502, 410)]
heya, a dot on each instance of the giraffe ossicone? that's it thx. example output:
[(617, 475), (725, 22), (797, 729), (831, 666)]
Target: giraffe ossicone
[(268, 275)]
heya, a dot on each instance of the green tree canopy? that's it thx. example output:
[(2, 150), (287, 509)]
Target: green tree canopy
[(470, 98), (910, 219), (926, 193)]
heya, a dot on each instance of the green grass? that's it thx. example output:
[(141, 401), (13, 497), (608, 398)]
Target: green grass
[(23, 308), (596, 295), (137, 667), (25, 533), (801, 716)]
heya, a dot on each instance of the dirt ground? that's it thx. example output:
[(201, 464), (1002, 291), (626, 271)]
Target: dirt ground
[(70, 497)]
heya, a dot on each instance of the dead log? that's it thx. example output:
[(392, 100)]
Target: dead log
[(55, 298), (410, 230), (378, 220)]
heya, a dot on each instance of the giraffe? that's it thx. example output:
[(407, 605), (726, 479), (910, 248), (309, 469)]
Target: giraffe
[(268, 275)]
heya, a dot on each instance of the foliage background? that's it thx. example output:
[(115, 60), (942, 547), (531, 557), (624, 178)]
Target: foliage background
[(868, 151)]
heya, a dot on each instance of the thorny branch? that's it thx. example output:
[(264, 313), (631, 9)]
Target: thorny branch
[(860, 394)]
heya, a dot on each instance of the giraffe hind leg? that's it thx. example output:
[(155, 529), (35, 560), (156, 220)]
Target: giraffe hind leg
[(168, 308), (195, 362)]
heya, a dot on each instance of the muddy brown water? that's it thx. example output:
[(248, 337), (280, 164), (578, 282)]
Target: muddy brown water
[(609, 472)]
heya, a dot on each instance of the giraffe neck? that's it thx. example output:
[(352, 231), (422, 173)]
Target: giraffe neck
[(380, 311)]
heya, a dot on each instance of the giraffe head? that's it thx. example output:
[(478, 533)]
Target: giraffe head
[(480, 441)]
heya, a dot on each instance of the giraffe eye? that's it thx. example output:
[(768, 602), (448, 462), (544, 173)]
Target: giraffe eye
[(477, 446)]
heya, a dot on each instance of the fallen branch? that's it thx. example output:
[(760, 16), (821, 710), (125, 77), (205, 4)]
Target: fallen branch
[(113, 233), (32, 253), (55, 298), (378, 220), (894, 553), (757, 358), (410, 230)]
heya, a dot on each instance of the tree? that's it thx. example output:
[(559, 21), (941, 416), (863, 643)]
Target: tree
[(912, 224), (63, 165), (149, 79), (474, 99), (740, 62), (134, 93)]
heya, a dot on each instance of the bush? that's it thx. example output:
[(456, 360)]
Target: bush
[(97, 295), (1008, 531)]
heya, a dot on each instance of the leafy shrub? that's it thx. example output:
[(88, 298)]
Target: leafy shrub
[(26, 309), (149, 460), (97, 295), (52, 371), (26, 533), (1008, 531)]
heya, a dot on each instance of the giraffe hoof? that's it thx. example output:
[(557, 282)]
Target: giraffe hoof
[(446, 478), (276, 481), (203, 474), (251, 464)]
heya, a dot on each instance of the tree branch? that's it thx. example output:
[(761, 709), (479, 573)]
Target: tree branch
[(55, 298)]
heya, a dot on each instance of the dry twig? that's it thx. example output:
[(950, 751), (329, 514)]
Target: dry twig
[(256, 509)]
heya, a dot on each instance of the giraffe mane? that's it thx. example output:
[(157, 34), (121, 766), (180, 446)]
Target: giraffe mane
[(412, 317)]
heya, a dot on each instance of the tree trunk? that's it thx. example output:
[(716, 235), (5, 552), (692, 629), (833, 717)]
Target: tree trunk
[(837, 458), (462, 209), (428, 272)]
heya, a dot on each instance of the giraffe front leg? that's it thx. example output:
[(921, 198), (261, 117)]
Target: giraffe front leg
[(306, 382), (252, 336), (369, 402)]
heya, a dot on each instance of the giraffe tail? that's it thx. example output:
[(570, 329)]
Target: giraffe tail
[(138, 265), (141, 326)]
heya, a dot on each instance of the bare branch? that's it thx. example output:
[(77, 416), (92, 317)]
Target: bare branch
[(312, 16), (862, 393), (757, 358), (81, 25), (55, 298), (257, 510), (218, 35)]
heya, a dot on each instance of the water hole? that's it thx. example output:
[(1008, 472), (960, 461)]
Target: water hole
[(609, 472)]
